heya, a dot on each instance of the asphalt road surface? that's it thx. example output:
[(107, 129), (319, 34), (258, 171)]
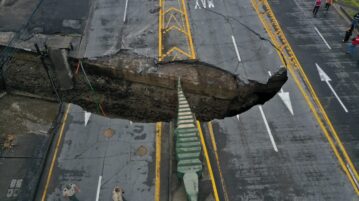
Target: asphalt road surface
[(99, 156), (343, 69), (267, 153)]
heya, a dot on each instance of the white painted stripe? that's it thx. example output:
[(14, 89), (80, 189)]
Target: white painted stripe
[(184, 117), (352, 174), (326, 43), (236, 48), (186, 126), (185, 113), (336, 95), (124, 15), (268, 129), (98, 188)]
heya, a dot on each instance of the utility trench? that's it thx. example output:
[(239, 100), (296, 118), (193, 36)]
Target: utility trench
[(135, 87)]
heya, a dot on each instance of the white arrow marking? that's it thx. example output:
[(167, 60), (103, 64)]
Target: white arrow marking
[(284, 96), (268, 129), (286, 100), (325, 41), (325, 78), (87, 117)]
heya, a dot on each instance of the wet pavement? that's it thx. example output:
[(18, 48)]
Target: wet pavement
[(27, 121), (265, 153), (99, 156)]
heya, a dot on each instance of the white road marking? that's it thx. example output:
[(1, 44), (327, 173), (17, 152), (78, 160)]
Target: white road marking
[(284, 96), (98, 188), (326, 43), (325, 78), (124, 15), (204, 3), (87, 117), (352, 174), (210, 4), (197, 6), (236, 49), (268, 129), (238, 117)]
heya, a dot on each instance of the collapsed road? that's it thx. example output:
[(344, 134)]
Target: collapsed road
[(133, 86)]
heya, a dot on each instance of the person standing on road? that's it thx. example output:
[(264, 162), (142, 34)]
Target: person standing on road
[(328, 3), (316, 7), (117, 194), (70, 191), (348, 33), (355, 21), (352, 46)]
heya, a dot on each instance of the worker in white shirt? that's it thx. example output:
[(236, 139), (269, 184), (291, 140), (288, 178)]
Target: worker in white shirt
[(117, 194), (70, 191)]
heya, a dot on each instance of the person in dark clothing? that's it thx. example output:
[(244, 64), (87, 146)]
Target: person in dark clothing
[(316, 7), (355, 21), (348, 33), (351, 47), (328, 4)]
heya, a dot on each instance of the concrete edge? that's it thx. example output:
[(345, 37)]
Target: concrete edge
[(52, 132)]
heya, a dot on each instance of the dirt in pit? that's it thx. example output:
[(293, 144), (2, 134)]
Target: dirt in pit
[(134, 87)]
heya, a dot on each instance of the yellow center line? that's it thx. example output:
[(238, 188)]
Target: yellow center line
[(305, 95), (49, 175), (215, 150), (214, 186), (160, 31), (158, 161), (188, 30)]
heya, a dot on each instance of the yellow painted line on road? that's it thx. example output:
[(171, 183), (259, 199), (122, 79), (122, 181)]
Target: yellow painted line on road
[(190, 40), (160, 30), (211, 175), (49, 175), (306, 96), (158, 161), (215, 150)]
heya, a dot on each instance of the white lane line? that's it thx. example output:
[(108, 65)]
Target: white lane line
[(236, 49), (124, 15), (352, 174), (268, 129), (98, 188), (325, 41), (336, 95), (325, 78)]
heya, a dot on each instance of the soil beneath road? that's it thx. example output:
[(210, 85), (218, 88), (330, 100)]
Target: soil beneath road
[(135, 87)]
